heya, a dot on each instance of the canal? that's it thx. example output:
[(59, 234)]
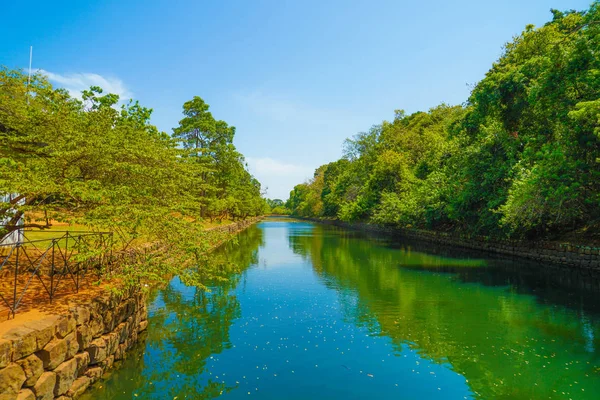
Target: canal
[(319, 312)]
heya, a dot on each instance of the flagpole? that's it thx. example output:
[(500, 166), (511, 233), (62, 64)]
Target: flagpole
[(29, 76)]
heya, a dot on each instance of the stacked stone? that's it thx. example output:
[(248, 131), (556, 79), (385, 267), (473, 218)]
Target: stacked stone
[(585, 257), (237, 226), (59, 356), (554, 252)]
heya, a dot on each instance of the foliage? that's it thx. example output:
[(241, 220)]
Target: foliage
[(191, 326), (305, 199), (94, 163), (521, 157), (277, 207), (222, 183)]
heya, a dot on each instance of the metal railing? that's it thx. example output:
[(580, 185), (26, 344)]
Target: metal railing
[(34, 270)]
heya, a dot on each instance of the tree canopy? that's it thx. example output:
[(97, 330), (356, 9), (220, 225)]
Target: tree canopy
[(521, 157), (105, 166)]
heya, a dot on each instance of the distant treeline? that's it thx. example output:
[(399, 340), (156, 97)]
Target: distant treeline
[(277, 207), (521, 157)]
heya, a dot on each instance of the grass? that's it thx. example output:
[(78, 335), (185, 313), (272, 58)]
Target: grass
[(53, 232), (58, 229)]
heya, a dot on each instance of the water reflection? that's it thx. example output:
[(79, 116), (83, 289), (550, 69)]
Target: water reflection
[(513, 333), (188, 327), (317, 312)]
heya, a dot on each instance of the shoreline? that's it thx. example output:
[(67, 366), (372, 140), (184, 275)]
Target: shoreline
[(559, 253), (60, 351)]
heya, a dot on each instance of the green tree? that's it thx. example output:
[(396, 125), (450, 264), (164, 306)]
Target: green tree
[(93, 163)]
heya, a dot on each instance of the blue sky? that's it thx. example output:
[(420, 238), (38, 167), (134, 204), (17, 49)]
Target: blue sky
[(295, 77)]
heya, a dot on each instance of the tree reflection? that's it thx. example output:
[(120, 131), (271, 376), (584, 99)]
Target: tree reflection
[(506, 344), (187, 326)]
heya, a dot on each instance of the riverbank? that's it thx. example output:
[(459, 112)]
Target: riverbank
[(567, 254), (57, 351)]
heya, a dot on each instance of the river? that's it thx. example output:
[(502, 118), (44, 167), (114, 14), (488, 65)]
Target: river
[(319, 312)]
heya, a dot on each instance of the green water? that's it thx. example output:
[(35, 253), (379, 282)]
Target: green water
[(322, 313)]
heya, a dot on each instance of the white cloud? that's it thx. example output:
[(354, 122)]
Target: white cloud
[(304, 124), (77, 82), (278, 176)]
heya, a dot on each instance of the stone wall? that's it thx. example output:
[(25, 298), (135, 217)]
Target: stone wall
[(57, 356), (236, 227), (579, 256)]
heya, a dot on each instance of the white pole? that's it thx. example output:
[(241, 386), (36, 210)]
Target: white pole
[(29, 77), (30, 57)]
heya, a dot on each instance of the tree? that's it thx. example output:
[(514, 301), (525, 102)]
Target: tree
[(520, 158), (223, 186), (93, 163)]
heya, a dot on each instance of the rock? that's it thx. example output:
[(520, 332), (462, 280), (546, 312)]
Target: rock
[(6, 352), (78, 387), (44, 330), (137, 319), (53, 353), (120, 353), (143, 326), (65, 375), (12, 378), (120, 313), (44, 387), (72, 345), (97, 351), (108, 363), (134, 337), (81, 314), (33, 368), (96, 327), (24, 341), (112, 342), (125, 310), (108, 301), (109, 322), (83, 360), (26, 394), (65, 325), (84, 336), (122, 331), (94, 373)]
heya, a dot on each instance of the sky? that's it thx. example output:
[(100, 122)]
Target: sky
[(296, 78)]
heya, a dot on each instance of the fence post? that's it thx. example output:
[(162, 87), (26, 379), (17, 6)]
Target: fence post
[(66, 250), (77, 277), (52, 271), (110, 259), (77, 265), (107, 256), (14, 306)]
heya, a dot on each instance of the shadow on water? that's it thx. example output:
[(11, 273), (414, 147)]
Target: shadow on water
[(514, 329)]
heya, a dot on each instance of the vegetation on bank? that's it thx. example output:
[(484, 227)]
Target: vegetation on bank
[(277, 207), (96, 163), (520, 158)]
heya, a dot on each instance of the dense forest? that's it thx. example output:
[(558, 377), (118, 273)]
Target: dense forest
[(520, 158), (100, 164)]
